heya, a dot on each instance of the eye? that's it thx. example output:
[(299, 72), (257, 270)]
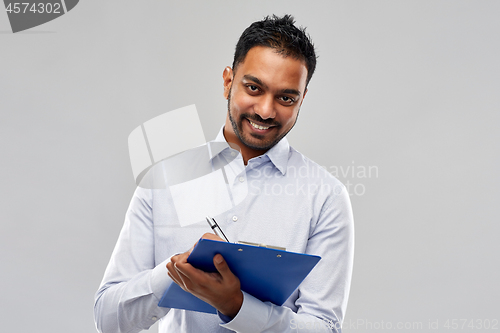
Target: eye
[(252, 88), (287, 100)]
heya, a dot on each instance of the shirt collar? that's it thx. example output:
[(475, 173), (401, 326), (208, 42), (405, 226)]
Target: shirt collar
[(278, 154)]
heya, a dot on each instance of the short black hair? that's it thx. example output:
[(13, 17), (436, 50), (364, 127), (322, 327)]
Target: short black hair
[(282, 35)]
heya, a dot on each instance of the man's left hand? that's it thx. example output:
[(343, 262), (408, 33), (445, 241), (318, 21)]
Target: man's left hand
[(220, 289)]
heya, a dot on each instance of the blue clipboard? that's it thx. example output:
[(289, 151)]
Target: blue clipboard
[(267, 274)]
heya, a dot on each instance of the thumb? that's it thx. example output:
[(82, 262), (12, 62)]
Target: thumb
[(221, 265)]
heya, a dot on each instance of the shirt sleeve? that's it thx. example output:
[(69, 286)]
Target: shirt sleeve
[(127, 299), (322, 296)]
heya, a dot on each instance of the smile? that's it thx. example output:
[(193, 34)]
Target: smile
[(254, 125)]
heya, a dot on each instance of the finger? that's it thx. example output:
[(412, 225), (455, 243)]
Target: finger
[(212, 237), (194, 277), (182, 283), (180, 257), (173, 273), (222, 267), (177, 275), (181, 270), (174, 279), (187, 271)]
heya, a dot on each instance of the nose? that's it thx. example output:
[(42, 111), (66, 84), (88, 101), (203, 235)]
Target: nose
[(265, 108)]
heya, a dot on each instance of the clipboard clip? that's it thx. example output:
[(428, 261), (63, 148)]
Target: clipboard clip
[(262, 245)]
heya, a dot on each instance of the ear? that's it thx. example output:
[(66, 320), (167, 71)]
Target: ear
[(305, 92), (227, 76)]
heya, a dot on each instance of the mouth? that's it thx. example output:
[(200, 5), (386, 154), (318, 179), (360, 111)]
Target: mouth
[(257, 126), (260, 128)]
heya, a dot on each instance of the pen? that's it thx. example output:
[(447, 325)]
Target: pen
[(215, 227)]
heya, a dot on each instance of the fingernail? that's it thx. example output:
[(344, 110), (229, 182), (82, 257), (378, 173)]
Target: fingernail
[(218, 259)]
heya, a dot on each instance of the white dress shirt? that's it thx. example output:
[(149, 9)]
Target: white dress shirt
[(280, 198)]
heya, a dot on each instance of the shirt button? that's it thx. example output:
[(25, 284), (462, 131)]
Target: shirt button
[(233, 153), (235, 218), (154, 318), (242, 179)]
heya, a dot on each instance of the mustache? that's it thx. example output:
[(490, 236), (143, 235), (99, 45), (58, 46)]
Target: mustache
[(258, 119)]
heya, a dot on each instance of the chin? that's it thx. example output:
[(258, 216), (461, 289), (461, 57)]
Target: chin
[(258, 144)]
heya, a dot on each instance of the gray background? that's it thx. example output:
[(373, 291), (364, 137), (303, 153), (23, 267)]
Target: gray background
[(410, 88)]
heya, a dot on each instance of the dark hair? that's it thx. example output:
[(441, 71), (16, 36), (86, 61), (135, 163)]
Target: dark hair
[(281, 34)]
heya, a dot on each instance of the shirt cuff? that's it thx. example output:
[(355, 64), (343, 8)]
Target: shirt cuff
[(252, 317), (160, 280)]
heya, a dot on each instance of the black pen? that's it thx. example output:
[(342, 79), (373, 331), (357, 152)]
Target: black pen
[(215, 227)]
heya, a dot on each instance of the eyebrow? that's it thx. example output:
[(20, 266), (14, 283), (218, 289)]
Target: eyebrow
[(259, 82)]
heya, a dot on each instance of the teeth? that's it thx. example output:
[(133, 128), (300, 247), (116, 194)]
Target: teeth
[(258, 126)]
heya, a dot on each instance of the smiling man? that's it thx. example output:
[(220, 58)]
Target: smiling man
[(291, 202), (264, 92)]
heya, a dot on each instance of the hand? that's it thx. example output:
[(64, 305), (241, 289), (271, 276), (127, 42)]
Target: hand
[(220, 289)]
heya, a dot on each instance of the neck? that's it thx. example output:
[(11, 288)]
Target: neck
[(246, 152)]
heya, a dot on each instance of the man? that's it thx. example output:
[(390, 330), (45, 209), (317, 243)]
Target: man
[(291, 202)]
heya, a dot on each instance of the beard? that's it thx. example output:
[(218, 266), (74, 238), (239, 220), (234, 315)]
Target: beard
[(253, 140)]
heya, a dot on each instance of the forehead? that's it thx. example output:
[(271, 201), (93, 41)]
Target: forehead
[(273, 69)]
